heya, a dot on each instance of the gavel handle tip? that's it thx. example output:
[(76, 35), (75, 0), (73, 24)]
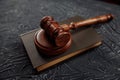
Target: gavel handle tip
[(110, 16)]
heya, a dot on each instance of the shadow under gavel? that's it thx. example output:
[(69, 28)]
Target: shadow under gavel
[(54, 39)]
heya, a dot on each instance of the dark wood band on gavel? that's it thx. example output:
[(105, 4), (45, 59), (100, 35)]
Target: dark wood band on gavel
[(60, 34)]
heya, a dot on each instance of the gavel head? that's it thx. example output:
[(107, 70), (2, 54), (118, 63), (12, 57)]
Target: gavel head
[(55, 32)]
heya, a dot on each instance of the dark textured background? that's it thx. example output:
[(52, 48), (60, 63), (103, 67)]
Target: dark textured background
[(19, 16)]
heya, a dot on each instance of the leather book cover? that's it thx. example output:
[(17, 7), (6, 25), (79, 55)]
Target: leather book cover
[(83, 40)]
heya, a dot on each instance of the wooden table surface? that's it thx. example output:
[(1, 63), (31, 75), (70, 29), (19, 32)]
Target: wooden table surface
[(20, 16)]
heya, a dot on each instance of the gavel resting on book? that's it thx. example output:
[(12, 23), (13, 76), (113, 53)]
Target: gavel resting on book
[(54, 39)]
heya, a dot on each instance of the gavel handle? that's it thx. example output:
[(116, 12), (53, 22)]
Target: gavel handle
[(88, 22)]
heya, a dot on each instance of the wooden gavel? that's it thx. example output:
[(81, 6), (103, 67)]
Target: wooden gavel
[(60, 34), (53, 38)]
